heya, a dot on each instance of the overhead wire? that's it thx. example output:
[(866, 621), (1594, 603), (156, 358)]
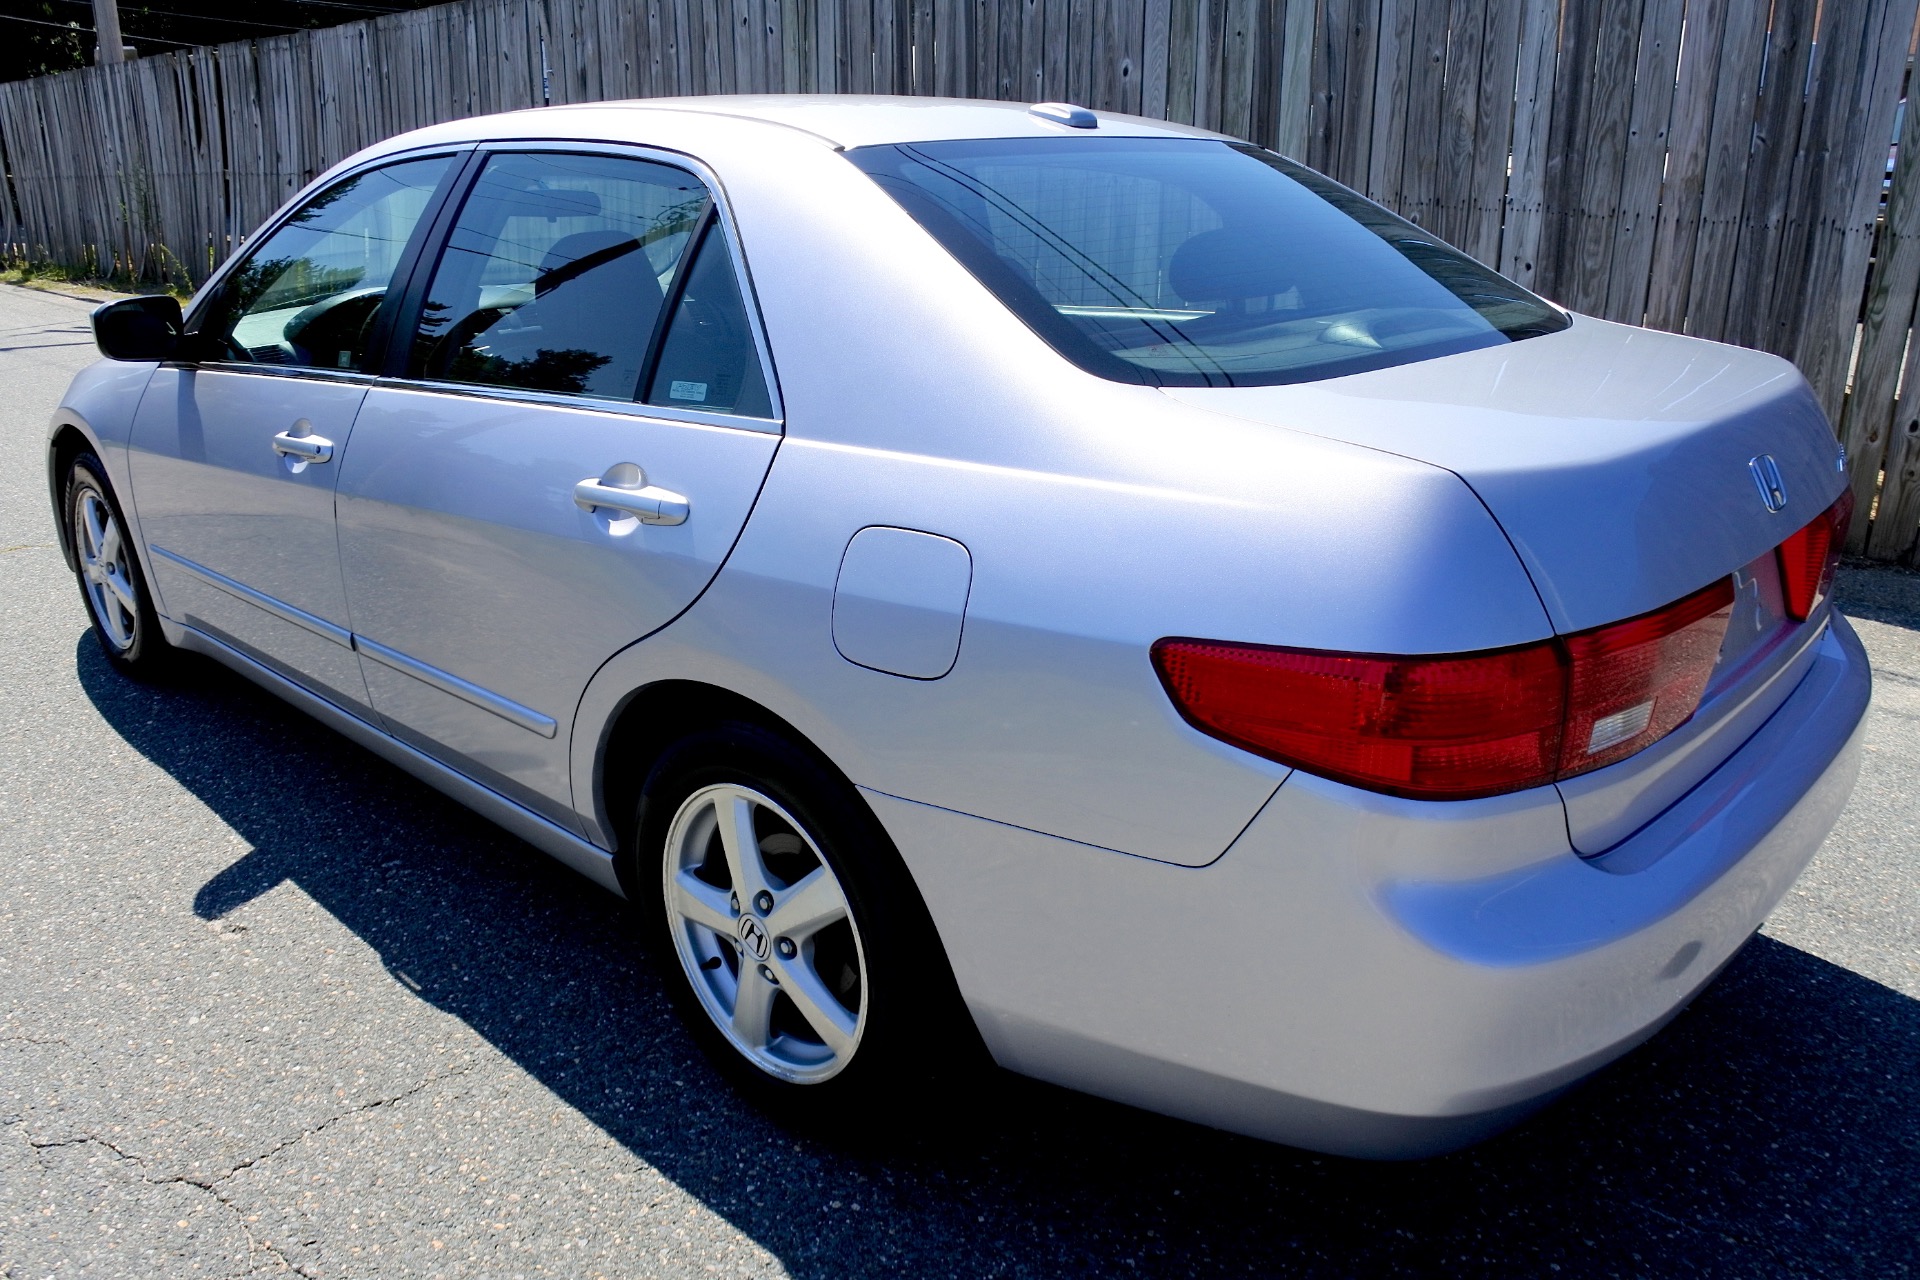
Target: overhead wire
[(140, 10), (88, 31)]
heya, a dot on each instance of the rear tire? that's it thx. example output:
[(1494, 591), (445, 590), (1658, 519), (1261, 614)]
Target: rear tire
[(795, 945), (108, 570)]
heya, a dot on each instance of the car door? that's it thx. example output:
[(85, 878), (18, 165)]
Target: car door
[(234, 459), (583, 426)]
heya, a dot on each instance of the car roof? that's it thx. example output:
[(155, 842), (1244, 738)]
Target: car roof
[(841, 120)]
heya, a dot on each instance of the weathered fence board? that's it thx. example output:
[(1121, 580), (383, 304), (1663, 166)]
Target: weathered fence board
[(1709, 166)]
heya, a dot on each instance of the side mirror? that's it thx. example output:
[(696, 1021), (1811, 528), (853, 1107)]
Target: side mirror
[(140, 328)]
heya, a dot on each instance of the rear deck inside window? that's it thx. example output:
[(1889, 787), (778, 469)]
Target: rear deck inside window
[(1192, 262)]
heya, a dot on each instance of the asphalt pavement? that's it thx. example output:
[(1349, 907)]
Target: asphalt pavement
[(267, 1004)]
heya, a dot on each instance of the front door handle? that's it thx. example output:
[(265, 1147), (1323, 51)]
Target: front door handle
[(624, 489), (299, 446)]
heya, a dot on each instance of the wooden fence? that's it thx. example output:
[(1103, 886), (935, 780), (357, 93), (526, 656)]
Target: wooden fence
[(1716, 167)]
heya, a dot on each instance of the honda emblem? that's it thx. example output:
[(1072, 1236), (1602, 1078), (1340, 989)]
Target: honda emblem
[(1766, 475)]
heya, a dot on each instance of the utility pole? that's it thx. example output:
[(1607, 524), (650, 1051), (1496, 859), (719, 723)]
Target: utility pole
[(106, 29)]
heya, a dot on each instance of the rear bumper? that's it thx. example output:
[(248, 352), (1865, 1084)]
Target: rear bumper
[(1373, 976)]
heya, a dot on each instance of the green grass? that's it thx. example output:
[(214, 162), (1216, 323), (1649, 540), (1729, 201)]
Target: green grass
[(85, 278), (54, 275)]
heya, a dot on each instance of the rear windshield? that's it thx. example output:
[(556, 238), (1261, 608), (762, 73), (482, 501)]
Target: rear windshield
[(1187, 262)]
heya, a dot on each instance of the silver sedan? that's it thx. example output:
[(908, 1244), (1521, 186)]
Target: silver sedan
[(1007, 583)]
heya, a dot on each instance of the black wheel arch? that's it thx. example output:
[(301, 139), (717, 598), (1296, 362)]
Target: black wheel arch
[(652, 719), (656, 717), (69, 441)]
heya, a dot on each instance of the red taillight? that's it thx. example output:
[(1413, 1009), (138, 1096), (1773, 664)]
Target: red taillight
[(1460, 725), (1809, 558), (1633, 683), (1446, 726)]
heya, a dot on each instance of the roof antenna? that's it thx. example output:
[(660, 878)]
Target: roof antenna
[(1064, 113)]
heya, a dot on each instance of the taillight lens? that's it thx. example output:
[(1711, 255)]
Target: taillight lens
[(1809, 558), (1633, 683), (1474, 724), (1456, 726)]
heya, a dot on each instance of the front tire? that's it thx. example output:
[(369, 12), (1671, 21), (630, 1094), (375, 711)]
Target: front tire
[(795, 944), (108, 570)]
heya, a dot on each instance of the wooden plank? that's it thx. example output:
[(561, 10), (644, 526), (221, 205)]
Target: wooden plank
[(1237, 63), (922, 79), (1184, 74), (1524, 225), (983, 40), (1566, 159), (1009, 79), (1426, 86), (749, 48), (1156, 57), (1867, 419), (1118, 54), (1729, 147), (1293, 94), (1269, 53), (1846, 164), (1493, 133), (1633, 226), (1459, 120), (1033, 51), (1896, 525), (1593, 193), (893, 50), (1371, 145), (1764, 249), (1670, 272), (1081, 15)]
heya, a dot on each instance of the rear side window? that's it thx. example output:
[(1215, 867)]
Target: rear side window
[(1193, 262), (556, 274), (708, 360)]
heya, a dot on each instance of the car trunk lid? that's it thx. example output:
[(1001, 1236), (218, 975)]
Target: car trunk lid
[(1621, 464)]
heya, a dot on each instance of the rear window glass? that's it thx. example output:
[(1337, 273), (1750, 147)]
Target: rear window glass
[(1190, 262)]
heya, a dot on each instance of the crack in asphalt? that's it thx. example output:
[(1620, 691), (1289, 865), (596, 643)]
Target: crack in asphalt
[(212, 1185)]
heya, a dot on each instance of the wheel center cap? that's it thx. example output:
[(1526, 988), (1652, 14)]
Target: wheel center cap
[(753, 936)]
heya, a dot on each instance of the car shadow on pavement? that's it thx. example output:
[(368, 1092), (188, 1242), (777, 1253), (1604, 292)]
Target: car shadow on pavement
[(1881, 592), (1774, 1128)]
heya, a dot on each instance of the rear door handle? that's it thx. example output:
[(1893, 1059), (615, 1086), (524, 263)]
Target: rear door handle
[(624, 488), (300, 446)]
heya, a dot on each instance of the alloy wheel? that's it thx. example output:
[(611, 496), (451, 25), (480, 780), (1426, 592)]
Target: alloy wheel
[(765, 933), (105, 569)]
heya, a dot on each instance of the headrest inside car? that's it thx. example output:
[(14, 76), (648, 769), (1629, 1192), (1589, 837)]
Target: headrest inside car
[(573, 256), (1228, 264), (568, 202)]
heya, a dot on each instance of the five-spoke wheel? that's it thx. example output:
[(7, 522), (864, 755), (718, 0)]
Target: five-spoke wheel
[(109, 572), (103, 553), (795, 943), (764, 933)]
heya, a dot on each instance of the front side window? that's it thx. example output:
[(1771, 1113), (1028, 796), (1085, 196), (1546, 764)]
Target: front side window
[(1190, 262), (307, 294), (584, 275)]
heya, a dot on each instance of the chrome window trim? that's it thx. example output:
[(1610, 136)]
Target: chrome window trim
[(736, 250), (583, 404), (349, 376)]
